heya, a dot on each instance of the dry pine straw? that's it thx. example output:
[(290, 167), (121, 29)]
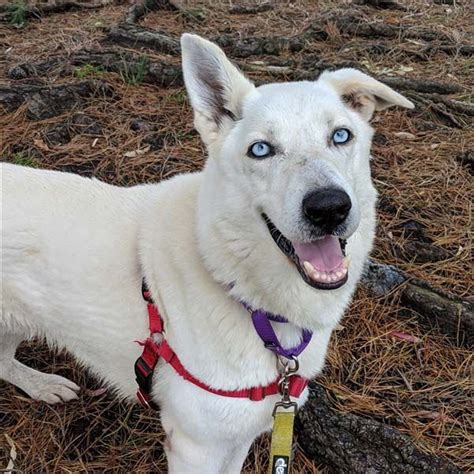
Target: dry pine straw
[(423, 388)]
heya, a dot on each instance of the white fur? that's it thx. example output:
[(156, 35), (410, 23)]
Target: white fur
[(74, 252)]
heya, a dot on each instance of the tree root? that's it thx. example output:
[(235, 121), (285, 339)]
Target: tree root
[(140, 9), (128, 65), (456, 106), (356, 444), (421, 85), (44, 101), (353, 24), (41, 9), (135, 36), (451, 315)]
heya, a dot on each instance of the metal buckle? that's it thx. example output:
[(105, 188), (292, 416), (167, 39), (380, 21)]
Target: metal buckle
[(284, 365), (286, 368)]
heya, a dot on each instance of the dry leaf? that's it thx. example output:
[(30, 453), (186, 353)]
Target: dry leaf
[(405, 135), (135, 153), (94, 393), (404, 336), (41, 144)]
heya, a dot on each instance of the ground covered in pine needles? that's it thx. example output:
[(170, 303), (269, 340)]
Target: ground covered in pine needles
[(382, 362)]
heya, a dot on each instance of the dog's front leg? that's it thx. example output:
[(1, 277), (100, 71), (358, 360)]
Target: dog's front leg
[(195, 448), (193, 455), (236, 458)]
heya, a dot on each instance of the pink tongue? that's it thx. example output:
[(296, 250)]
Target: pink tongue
[(324, 254)]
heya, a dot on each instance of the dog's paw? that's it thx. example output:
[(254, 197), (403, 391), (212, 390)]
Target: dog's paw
[(52, 388)]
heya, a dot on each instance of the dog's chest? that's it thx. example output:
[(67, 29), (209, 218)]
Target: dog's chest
[(223, 418)]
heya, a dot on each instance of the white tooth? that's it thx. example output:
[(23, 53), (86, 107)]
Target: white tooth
[(308, 267), (334, 277), (343, 271), (339, 274), (346, 261), (324, 276), (316, 275)]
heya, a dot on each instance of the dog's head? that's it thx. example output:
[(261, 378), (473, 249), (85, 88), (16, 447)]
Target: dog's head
[(288, 163)]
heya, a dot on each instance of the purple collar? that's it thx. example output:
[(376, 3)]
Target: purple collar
[(261, 321)]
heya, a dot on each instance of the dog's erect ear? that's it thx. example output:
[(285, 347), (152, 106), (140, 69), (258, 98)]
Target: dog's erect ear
[(363, 93), (215, 86)]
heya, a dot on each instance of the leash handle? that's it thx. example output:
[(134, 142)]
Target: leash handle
[(282, 438)]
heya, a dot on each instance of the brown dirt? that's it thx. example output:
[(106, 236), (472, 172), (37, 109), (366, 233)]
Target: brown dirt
[(423, 388)]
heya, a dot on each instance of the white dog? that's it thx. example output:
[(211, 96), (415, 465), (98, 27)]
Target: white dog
[(286, 186)]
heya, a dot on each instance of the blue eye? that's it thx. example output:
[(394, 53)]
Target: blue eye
[(341, 136), (260, 150)]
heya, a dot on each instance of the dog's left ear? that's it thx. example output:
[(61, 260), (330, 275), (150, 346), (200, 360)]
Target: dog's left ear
[(215, 86), (363, 93)]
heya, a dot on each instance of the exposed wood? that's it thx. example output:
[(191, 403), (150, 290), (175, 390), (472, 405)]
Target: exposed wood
[(136, 36), (356, 444), (355, 24), (456, 106), (159, 73), (449, 314), (45, 101), (166, 74), (451, 49), (39, 10), (430, 89), (422, 85), (140, 9)]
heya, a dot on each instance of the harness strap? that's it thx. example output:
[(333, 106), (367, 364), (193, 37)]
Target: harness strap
[(153, 351)]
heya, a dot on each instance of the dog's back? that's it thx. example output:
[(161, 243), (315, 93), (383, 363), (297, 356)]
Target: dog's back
[(63, 237)]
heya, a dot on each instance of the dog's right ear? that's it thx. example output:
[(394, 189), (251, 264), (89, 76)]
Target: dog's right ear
[(215, 86), (363, 93)]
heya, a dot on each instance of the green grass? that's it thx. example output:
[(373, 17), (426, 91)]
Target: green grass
[(17, 13), (23, 159), (88, 70), (135, 73), (179, 97)]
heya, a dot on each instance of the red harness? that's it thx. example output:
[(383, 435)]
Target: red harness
[(152, 351)]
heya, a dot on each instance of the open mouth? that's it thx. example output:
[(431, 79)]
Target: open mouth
[(321, 263)]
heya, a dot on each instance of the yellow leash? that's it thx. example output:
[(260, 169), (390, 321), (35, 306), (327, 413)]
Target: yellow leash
[(282, 439), (283, 423)]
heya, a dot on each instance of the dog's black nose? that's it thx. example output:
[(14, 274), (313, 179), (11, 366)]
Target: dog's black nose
[(327, 208)]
